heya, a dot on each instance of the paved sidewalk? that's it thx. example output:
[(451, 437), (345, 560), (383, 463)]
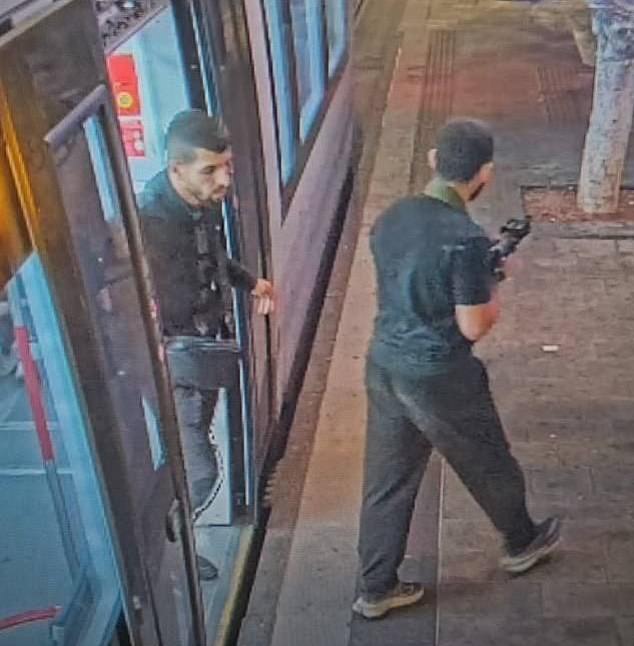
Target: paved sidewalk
[(569, 414)]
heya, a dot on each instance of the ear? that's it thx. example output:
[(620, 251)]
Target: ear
[(431, 158), (486, 172), (174, 168)]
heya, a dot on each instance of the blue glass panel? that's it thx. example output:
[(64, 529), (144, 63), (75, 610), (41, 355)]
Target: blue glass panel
[(157, 448), (282, 87), (103, 172), (55, 546), (337, 26), (309, 59)]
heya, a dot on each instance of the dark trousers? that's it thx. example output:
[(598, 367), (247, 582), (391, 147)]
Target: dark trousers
[(195, 410), (455, 414)]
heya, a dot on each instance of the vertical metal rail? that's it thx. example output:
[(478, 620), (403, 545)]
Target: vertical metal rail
[(34, 392)]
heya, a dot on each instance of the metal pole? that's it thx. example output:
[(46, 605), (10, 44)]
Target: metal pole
[(34, 392)]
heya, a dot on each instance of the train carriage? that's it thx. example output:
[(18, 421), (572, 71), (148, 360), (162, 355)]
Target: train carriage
[(102, 548)]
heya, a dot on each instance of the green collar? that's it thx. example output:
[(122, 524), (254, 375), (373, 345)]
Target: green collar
[(439, 189)]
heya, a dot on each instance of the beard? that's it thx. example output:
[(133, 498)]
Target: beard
[(475, 194), (207, 200)]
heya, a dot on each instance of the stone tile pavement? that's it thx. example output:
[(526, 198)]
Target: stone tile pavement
[(569, 413)]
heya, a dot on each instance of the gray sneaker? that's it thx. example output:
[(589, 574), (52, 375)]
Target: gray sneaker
[(548, 535), (403, 594)]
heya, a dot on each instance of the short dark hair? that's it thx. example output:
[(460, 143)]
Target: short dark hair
[(193, 129), (463, 147)]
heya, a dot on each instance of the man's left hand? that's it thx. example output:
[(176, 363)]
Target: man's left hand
[(265, 296)]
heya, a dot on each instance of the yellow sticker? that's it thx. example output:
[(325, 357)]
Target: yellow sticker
[(125, 100)]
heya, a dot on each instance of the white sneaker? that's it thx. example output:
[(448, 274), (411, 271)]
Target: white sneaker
[(547, 539), (403, 594)]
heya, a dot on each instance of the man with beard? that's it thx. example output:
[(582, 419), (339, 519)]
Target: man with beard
[(181, 219), (436, 298)]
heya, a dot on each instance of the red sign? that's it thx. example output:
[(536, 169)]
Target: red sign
[(125, 84), (133, 137)]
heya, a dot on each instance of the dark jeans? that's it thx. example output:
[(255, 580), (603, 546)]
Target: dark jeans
[(455, 414), (195, 410)]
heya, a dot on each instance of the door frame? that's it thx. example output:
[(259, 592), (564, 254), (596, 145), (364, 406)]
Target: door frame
[(25, 133), (224, 35)]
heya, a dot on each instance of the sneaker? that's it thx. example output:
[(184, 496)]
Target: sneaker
[(207, 571), (403, 594), (548, 535)]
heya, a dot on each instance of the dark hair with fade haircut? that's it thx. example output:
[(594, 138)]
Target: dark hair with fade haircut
[(463, 147), (193, 129)]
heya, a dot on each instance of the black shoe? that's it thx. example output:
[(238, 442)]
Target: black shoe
[(548, 534), (207, 571)]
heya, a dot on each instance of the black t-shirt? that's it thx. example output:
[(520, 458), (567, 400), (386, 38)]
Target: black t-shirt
[(429, 256)]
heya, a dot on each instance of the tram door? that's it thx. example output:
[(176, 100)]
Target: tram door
[(84, 284), (157, 70)]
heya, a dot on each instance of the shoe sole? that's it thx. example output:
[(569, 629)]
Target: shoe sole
[(531, 561), (381, 608)]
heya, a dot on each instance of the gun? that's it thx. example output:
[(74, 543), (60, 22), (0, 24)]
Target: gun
[(511, 234)]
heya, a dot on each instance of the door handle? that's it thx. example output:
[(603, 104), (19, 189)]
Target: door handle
[(174, 521)]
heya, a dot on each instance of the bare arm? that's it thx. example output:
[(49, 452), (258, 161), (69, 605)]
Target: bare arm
[(476, 306), (475, 321)]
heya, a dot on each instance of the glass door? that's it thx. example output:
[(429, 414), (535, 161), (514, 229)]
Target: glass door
[(92, 204), (57, 564), (56, 548), (155, 74), (67, 160)]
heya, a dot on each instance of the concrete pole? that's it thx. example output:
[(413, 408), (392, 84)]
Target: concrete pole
[(613, 106)]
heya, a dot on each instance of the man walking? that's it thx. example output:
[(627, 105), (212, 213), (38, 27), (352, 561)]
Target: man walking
[(181, 219), (436, 298)]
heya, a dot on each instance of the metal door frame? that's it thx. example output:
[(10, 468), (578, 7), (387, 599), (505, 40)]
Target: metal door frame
[(224, 34), (26, 132)]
